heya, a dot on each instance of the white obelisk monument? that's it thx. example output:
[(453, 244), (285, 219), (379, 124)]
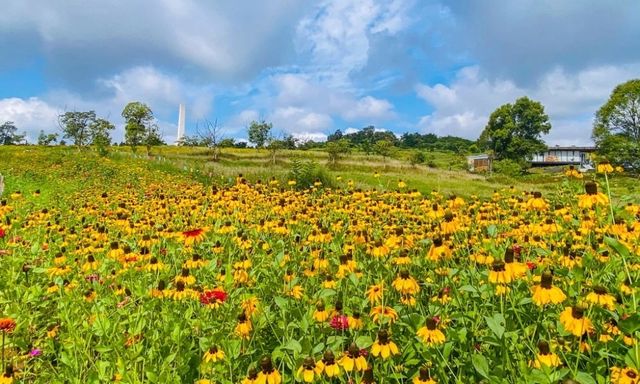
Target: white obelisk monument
[(181, 118)]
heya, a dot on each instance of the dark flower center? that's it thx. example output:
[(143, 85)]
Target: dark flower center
[(591, 188)]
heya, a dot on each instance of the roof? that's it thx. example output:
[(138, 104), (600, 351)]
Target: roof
[(571, 148)]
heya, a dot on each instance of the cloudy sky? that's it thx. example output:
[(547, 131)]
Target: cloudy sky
[(312, 67)]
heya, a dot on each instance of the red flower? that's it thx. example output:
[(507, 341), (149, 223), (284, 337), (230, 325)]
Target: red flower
[(517, 249), (7, 324), (2, 233), (214, 296), (339, 322), (193, 233), (531, 265)]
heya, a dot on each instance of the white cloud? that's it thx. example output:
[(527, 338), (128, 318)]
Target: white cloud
[(337, 34), (462, 108), (303, 137), (293, 119), (30, 115)]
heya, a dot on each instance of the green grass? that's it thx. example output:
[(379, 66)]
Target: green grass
[(56, 170)]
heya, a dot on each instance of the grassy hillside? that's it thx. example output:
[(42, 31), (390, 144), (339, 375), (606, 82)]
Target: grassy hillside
[(56, 169)]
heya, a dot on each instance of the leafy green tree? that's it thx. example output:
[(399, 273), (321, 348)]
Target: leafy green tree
[(77, 126), (337, 149), (514, 130), (259, 132), (8, 135), (417, 157), (140, 128), (227, 143), (384, 148), (47, 139), (616, 129), (100, 135)]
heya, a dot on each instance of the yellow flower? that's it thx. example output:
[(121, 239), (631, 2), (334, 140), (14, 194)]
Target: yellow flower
[(624, 376), (574, 321), (243, 328), (384, 346), (268, 374), (546, 293), (352, 359), (320, 314), (545, 357), (213, 354), (405, 284), (430, 334), (600, 296), (604, 167), (423, 377), (381, 313), (308, 371), (328, 365), (375, 292), (499, 274)]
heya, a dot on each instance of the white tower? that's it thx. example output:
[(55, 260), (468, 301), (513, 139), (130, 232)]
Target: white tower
[(181, 118)]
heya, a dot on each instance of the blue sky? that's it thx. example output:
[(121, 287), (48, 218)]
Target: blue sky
[(311, 67)]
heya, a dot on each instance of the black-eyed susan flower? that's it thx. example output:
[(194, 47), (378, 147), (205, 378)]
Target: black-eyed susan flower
[(624, 376), (352, 359), (592, 197), (320, 314), (546, 293), (574, 321), (384, 346), (545, 357), (328, 364), (213, 354), (355, 321), (499, 273), (599, 296), (604, 167), (308, 370), (430, 334), (375, 292), (423, 377), (7, 376), (243, 328), (382, 313), (405, 284), (252, 377), (268, 374)]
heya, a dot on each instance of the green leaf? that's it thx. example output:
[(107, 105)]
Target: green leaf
[(585, 378), (281, 302), (497, 324), (364, 342), (617, 246), (293, 345), (481, 365), (631, 324)]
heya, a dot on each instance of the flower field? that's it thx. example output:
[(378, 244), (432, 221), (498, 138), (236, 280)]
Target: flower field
[(135, 276)]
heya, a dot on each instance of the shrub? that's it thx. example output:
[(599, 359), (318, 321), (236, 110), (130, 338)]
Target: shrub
[(508, 167), (306, 173)]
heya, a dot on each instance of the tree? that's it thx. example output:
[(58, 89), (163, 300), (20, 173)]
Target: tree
[(514, 130), (259, 132), (140, 128), (100, 136), (8, 135), (384, 148), (47, 139), (210, 136), (616, 128), (417, 157), (336, 149), (77, 126)]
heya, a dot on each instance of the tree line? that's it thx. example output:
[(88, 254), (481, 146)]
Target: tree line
[(513, 133)]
